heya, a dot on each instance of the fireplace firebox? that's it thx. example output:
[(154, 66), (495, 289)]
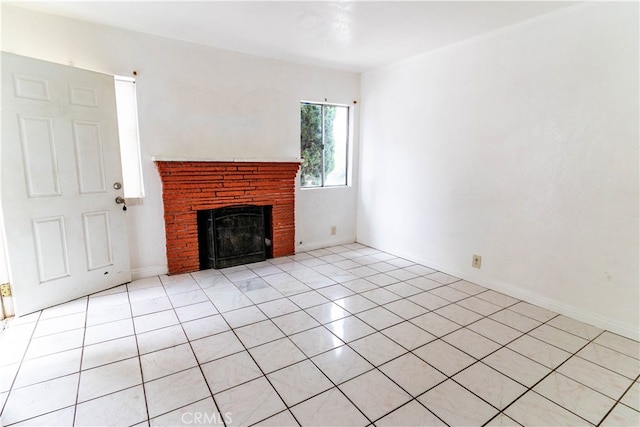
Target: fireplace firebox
[(234, 235)]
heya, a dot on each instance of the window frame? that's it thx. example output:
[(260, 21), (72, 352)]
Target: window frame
[(347, 153)]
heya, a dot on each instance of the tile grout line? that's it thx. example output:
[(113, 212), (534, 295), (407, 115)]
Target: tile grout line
[(619, 401), (377, 367), (329, 299), (310, 359), (374, 367), (501, 345), (199, 365), (84, 337), (400, 297), (531, 389), (139, 356), (22, 359), (246, 349), (462, 327)]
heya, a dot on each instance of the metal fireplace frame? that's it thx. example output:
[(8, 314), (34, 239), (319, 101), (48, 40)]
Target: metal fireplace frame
[(234, 235)]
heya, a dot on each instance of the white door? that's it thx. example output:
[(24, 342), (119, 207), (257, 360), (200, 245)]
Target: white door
[(60, 170)]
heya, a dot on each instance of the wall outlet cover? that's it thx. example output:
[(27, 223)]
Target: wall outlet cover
[(476, 262)]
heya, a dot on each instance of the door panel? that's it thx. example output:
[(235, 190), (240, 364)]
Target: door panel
[(39, 156), (66, 236), (97, 234), (83, 96), (52, 252), (31, 88), (89, 157)]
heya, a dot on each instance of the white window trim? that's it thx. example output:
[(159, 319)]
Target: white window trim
[(348, 154)]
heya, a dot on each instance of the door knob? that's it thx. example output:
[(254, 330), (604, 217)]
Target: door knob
[(122, 201)]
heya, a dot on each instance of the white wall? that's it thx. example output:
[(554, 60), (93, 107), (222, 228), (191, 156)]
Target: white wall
[(521, 146), (197, 102)]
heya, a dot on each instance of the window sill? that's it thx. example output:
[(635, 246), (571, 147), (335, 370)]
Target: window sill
[(325, 188), (134, 201)]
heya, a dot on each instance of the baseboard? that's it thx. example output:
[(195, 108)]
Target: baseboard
[(557, 307), (326, 243), (142, 273), (524, 295)]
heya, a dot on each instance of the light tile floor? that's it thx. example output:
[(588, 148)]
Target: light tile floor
[(345, 335)]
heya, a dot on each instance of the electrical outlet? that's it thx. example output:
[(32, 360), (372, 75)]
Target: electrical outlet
[(476, 261), (333, 230)]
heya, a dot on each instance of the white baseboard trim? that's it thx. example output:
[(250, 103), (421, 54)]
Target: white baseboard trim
[(142, 273), (339, 240), (568, 310), (558, 307)]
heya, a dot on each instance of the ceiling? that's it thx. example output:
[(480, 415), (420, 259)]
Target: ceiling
[(352, 36)]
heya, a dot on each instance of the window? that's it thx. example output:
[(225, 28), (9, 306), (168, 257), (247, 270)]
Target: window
[(127, 110), (324, 144)]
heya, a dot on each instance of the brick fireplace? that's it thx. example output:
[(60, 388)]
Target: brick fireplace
[(190, 186)]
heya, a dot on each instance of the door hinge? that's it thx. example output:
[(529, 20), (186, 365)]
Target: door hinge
[(5, 290)]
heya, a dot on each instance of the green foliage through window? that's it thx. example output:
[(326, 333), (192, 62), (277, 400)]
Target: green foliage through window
[(324, 131)]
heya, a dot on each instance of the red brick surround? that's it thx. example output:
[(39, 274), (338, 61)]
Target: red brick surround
[(191, 186)]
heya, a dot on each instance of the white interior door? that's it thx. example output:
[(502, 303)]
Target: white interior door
[(60, 162)]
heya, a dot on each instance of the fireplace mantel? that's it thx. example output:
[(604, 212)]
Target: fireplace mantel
[(228, 159), (192, 185)]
